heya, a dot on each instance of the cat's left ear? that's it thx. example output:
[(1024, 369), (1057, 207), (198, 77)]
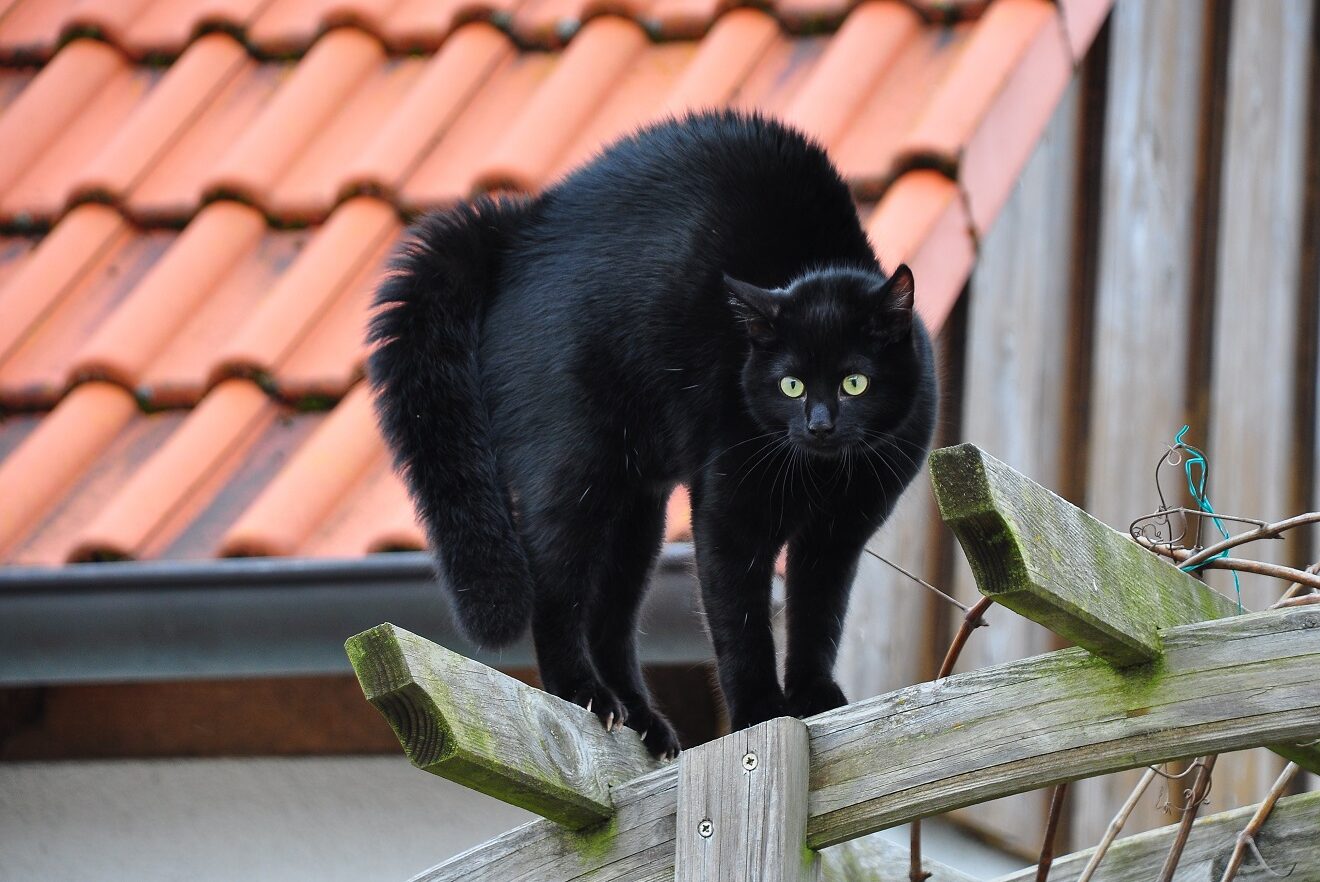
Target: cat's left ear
[(756, 307), (898, 295)]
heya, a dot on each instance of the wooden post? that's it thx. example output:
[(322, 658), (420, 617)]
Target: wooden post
[(742, 808), (469, 723)]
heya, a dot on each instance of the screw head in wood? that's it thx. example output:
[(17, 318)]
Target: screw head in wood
[(749, 761), (705, 828)]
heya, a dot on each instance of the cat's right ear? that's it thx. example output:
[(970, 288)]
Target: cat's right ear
[(755, 307)]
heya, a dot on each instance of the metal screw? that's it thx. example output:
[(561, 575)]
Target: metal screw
[(749, 761), (705, 828)]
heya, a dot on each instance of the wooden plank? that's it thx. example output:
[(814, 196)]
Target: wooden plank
[(1252, 430), (742, 808), (1045, 558), (972, 737), (875, 859), (1016, 395), (1288, 841), (461, 720)]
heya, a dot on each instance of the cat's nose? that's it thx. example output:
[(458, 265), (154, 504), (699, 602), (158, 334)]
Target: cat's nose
[(820, 425)]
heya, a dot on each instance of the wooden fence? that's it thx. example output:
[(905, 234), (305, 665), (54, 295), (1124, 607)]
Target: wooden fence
[(1156, 266), (1164, 669)]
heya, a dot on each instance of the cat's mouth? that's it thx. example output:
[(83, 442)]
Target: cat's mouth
[(827, 447)]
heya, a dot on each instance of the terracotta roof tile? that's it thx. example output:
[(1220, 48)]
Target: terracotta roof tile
[(171, 477), (245, 203), (343, 247), (40, 472), (298, 113), (177, 285), (995, 102), (35, 369), (331, 461), (438, 96), (922, 221), (190, 85), (47, 274), (164, 27)]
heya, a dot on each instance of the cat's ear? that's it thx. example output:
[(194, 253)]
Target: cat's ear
[(755, 307), (898, 296)]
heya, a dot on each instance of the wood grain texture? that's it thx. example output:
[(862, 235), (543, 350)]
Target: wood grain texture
[(1288, 839), (1046, 559), (1144, 293), (972, 737), (1015, 399), (742, 808), (1252, 431), (469, 723), (1220, 686)]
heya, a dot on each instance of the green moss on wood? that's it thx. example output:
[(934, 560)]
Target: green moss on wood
[(1048, 560)]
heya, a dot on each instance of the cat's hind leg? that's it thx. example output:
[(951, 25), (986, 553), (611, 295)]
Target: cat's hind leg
[(627, 553)]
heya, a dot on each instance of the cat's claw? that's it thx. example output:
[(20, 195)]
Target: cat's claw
[(601, 702), (658, 736)]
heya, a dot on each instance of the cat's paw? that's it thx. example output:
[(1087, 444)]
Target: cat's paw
[(748, 713), (603, 703), (657, 734), (815, 697)]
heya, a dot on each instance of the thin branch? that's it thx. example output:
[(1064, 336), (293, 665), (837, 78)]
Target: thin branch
[(1248, 834), (1276, 571), (1295, 588), (1116, 825), (971, 621), (1196, 796), (920, 581), (1304, 600), (1269, 531), (1051, 830)]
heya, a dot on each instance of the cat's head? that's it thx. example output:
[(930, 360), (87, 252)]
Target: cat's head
[(832, 359)]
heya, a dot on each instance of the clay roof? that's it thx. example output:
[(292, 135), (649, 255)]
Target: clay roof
[(197, 196)]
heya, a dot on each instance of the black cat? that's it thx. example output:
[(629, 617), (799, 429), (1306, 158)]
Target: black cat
[(698, 304)]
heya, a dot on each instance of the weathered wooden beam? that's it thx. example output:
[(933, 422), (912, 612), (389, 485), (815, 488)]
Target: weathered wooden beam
[(461, 720), (742, 808), (1290, 840), (933, 747), (1046, 559)]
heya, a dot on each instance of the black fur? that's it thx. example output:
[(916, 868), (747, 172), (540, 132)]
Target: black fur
[(547, 370)]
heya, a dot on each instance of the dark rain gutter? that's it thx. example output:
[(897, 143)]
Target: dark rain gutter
[(158, 620)]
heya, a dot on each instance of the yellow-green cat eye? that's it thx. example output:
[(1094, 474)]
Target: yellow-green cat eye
[(855, 384), (792, 387)]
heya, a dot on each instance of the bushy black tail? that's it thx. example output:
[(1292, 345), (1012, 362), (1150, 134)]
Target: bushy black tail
[(424, 370)]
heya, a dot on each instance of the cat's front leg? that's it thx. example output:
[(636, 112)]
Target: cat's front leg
[(822, 561), (735, 566)]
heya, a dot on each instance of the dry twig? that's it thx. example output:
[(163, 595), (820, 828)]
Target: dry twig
[(1276, 571), (1269, 531), (1051, 830), (1116, 825), (1248, 835)]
